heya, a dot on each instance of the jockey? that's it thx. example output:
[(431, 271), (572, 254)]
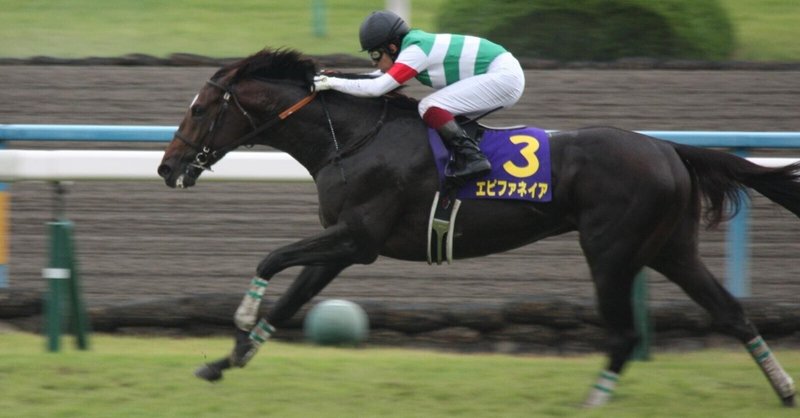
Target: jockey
[(472, 76)]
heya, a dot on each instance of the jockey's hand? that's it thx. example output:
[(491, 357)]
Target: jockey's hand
[(322, 82)]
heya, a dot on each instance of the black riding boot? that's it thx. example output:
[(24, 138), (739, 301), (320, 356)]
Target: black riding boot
[(468, 161)]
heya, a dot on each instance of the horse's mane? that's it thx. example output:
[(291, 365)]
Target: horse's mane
[(280, 64), (291, 65)]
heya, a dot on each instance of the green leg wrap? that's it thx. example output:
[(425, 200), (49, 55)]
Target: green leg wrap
[(778, 378), (261, 332), (602, 390), (247, 312)]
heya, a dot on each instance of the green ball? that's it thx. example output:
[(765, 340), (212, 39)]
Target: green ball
[(336, 322)]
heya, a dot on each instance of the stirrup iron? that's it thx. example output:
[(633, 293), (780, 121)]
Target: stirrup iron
[(441, 224)]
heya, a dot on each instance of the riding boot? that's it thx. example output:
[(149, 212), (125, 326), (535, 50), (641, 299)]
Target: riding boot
[(468, 161)]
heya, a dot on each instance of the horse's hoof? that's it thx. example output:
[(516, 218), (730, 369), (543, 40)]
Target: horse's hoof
[(209, 373), (789, 401)]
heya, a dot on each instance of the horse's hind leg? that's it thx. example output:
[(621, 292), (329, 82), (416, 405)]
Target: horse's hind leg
[(680, 263), (614, 289), (616, 253)]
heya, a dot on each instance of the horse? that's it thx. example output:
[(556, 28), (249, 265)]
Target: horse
[(634, 200)]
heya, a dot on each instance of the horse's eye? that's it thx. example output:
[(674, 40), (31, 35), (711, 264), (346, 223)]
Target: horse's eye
[(197, 111)]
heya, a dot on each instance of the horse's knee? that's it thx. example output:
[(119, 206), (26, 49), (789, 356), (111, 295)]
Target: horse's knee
[(268, 265)]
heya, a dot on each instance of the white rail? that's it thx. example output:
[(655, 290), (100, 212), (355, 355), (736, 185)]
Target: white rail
[(19, 165)]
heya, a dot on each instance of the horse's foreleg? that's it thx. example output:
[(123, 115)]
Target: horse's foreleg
[(328, 254), (245, 320)]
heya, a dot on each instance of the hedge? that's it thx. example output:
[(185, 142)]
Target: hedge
[(596, 30)]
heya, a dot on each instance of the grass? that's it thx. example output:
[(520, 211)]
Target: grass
[(79, 28), (151, 377), (767, 30)]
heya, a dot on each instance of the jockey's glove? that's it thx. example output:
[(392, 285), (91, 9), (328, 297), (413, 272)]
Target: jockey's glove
[(323, 82)]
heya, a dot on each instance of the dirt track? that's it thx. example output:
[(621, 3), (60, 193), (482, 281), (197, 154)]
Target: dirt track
[(142, 240)]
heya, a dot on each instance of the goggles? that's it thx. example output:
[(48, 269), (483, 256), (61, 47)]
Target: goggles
[(376, 54)]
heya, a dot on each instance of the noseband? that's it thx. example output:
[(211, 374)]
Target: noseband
[(206, 156)]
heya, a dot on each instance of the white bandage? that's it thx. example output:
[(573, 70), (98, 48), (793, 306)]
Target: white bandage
[(780, 380), (247, 312), (602, 390)]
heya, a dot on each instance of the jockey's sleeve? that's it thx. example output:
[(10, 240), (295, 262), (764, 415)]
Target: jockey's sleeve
[(366, 87), (405, 68)]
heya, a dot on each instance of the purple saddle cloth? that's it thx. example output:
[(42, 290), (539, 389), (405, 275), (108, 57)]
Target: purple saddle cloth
[(520, 160)]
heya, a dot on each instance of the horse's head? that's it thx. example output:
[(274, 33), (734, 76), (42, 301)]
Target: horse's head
[(234, 108)]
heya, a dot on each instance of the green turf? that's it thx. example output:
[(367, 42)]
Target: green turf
[(79, 28), (766, 29), (152, 377)]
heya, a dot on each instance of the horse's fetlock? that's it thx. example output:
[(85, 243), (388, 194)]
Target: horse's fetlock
[(248, 342)]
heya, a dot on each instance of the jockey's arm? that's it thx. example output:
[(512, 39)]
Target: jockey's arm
[(401, 71), (365, 87)]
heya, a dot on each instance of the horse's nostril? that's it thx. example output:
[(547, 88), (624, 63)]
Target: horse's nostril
[(164, 170)]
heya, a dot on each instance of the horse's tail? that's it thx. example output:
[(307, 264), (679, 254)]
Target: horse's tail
[(721, 177)]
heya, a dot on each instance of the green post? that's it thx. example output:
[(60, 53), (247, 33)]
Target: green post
[(63, 283), (318, 13), (57, 273), (641, 317)]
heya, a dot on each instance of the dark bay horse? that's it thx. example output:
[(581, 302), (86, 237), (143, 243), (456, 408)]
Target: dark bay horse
[(636, 201)]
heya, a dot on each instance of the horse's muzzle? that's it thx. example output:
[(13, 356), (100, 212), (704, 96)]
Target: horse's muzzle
[(179, 178), (164, 171)]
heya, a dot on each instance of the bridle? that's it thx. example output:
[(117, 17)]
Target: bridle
[(206, 156)]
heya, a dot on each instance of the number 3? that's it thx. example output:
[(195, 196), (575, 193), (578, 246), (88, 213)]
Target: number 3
[(528, 152)]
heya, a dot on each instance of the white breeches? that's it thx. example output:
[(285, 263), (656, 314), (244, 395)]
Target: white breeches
[(500, 86)]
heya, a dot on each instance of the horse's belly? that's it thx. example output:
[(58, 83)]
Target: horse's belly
[(481, 228)]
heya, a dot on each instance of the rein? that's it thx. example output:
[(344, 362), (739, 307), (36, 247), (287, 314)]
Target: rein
[(206, 156)]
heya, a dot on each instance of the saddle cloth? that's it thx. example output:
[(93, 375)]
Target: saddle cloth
[(520, 160)]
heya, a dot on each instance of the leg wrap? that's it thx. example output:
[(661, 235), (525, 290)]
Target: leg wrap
[(247, 312), (248, 343), (780, 380), (244, 351), (602, 390), (261, 332)]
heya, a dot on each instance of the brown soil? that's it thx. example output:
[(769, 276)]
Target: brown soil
[(142, 240)]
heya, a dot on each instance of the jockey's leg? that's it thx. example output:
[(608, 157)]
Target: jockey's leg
[(468, 160), (501, 86)]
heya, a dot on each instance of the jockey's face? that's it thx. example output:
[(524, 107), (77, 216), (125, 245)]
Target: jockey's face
[(384, 61)]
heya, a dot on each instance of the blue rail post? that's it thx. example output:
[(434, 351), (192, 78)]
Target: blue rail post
[(5, 230), (737, 249), (5, 233)]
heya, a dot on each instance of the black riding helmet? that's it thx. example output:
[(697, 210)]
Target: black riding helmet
[(380, 28)]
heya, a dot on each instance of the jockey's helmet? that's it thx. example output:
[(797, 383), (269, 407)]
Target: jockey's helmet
[(380, 28)]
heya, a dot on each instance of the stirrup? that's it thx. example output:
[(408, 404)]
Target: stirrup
[(441, 223)]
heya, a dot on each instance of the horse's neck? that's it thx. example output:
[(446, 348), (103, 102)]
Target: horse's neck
[(315, 137)]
